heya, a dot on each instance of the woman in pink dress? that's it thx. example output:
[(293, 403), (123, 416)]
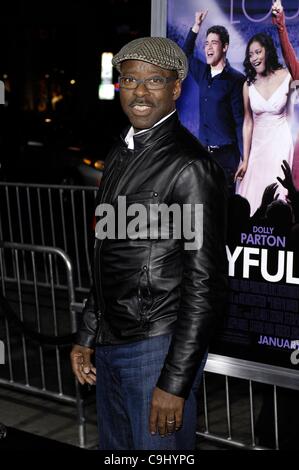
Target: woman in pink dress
[(266, 132)]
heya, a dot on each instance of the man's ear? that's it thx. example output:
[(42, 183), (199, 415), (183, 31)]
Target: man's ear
[(177, 89), (225, 48)]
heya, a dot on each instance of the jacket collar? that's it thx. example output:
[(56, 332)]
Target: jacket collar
[(225, 70), (147, 138)]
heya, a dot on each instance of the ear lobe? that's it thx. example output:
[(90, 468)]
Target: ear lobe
[(177, 90)]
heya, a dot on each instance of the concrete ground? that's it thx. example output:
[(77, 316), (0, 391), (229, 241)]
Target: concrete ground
[(46, 418), (53, 420)]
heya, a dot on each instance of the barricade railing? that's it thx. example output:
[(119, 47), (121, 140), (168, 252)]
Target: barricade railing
[(249, 382), (51, 215), (37, 324), (40, 279)]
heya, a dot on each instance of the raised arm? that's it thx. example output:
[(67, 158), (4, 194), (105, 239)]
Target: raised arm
[(199, 19), (196, 66), (287, 48)]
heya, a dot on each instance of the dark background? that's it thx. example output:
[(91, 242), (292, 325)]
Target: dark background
[(43, 46)]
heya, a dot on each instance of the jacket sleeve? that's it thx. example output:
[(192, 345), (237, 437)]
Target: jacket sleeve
[(196, 66), (87, 330), (204, 279), (287, 48)]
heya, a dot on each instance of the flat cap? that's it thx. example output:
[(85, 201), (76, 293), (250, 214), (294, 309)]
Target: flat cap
[(159, 51)]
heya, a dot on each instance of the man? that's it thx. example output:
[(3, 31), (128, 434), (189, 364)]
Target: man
[(221, 97), (155, 298)]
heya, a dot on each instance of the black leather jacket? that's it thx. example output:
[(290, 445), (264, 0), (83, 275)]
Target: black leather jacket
[(152, 287)]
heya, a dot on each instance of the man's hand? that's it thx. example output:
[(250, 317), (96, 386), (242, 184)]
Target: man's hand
[(199, 18), (166, 414), (81, 365), (277, 7)]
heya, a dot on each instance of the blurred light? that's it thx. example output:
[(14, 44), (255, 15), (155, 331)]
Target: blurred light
[(47, 75), (107, 68), (2, 92), (48, 120), (87, 161), (106, 91), (116, 86), (5, 76), (55, 99), (106, 88), (72, 82), (33, 143), (99, 165)]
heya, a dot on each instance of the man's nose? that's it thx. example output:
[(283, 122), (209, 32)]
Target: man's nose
[(141, 89)]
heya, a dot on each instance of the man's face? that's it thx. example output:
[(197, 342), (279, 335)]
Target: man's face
[(146, 107), (214, 50)]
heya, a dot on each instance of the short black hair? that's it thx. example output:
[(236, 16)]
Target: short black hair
[(222, 33)]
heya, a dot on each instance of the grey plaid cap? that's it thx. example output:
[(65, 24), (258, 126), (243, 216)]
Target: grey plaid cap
[(159, 51)]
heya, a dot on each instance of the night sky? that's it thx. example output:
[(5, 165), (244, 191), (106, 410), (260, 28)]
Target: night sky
[(46, 44)]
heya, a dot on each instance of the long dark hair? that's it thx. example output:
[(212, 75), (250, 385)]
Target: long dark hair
[(272, 63)]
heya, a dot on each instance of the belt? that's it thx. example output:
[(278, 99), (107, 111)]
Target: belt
[(217, 148)]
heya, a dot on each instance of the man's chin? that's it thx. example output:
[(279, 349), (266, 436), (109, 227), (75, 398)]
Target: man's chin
[(142, 123), (212, 62)]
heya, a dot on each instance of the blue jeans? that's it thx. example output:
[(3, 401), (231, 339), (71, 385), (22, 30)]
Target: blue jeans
[(126, 377)]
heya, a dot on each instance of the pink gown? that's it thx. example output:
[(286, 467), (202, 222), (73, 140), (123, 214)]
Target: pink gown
[(271, 144)]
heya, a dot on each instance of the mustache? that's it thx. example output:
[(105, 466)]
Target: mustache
[(141, 103)]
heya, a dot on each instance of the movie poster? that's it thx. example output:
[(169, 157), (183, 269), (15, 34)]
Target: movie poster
[(262, 323)]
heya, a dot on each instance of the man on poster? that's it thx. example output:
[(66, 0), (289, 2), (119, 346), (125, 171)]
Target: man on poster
[(221, 110)]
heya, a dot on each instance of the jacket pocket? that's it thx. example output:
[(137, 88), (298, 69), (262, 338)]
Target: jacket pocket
[(142, 196), (140, 208), (144, 296)]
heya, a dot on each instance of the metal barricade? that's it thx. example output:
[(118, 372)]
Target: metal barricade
[(37, 321), (33, 218), (243, 379), (51, 215)]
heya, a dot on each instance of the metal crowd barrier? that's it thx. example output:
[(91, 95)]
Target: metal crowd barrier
[(242, 377), (37, 321), (39, 283), (51, 215)]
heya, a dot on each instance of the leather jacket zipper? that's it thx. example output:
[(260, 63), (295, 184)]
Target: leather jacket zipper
[(113, 180), (144, 296)]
